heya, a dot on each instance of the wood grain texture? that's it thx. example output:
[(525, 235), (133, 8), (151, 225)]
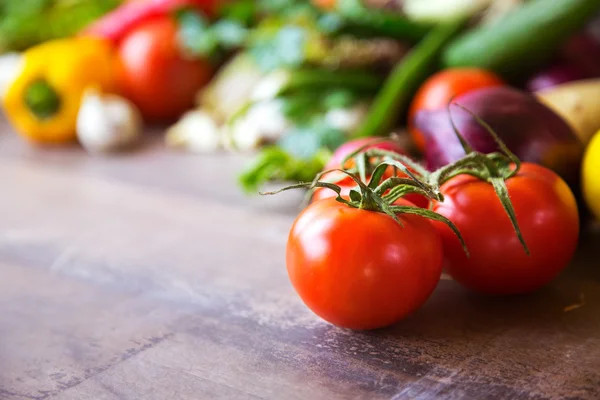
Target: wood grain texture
[(149, 276)]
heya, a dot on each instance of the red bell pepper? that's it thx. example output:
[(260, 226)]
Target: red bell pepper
[(116, 24)]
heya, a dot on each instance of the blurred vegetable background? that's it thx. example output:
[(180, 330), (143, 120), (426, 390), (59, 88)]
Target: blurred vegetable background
[(482, 116), (291, 80)]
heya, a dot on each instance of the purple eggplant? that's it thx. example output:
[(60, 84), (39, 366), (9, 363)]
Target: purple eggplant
[(529, 129)]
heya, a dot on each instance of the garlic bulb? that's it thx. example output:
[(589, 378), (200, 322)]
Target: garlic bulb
[(264, 122), (107, 122), (196, 132)]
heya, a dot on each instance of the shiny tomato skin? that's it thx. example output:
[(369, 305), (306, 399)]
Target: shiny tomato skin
[(154, 73), (360, 269), (441, 87), (547, 215)]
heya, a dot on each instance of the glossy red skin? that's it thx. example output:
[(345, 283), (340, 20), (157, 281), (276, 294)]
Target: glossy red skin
[(347, 183), (440, 88), (360, 269), (154, 74), (547, 215)]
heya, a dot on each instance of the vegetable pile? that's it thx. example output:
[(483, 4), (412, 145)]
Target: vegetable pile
[(430, 133)]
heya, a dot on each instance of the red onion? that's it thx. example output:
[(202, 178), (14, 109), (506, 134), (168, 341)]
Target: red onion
[(582, 51), (554, 76), (529, 129)]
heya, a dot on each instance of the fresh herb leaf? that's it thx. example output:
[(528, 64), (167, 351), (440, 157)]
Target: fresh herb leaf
[(302, 107), (341, 98), (283, 49), (330, 23), (276, 164), (305, 142), (287, 8), (307, 106), (199, 38), (194, 33), (244, 12), (230, 34)]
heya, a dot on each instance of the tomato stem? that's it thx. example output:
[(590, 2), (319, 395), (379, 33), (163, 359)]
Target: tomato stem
[(494, 168), (377, 196)]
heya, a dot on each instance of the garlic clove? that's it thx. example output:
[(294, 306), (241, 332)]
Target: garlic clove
[(107, 122), (264, 122), (196, 131)]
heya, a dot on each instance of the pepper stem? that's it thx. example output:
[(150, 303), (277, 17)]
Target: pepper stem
[(41, 99)]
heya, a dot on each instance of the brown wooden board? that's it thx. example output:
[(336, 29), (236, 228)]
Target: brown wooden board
[(150, 276)]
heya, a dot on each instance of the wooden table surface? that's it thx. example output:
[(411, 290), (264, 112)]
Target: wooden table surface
[(150, 276)]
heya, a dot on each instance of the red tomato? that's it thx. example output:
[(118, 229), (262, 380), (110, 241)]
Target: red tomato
[(154, 74), (440, 88), (346, 183), (360, 269), (547, 215)]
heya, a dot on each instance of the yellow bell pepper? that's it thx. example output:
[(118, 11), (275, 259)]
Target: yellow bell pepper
[(43, 101)]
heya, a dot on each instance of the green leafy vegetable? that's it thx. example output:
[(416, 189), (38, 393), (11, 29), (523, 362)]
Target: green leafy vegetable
[(305, 142), (285, 48), (243, 11), (405, 79), (342, 98), (302, 107), (381, 22), (274, 163), (199, 37), (24, 23)]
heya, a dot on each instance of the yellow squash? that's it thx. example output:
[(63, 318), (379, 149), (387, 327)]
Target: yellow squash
[(591, 175), (43, 101)]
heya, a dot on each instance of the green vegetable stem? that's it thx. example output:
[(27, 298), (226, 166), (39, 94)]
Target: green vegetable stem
[(382, 22), (285, 81), (495, 168), (405, 80)]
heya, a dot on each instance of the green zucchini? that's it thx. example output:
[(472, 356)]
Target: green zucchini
[(522, 39)]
